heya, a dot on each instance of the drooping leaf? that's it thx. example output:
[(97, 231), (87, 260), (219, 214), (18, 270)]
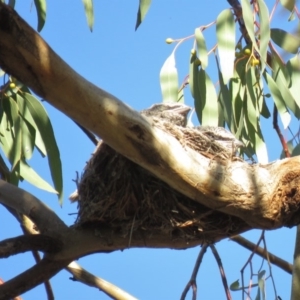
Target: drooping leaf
[(293, 67), (209, 112), (142, 11), (28, 137), (16, 150), (261, 285), (194, 84), (288, 4), (45, 128), (89, 12), (285, 40), (291, 102), (235, 286), (248, 16), (32, 177), (226, 43), (41, 8), (169, 80), (24, 111), (225, 100), (252, 110), (279, 101), (264, 32), (201, 46)]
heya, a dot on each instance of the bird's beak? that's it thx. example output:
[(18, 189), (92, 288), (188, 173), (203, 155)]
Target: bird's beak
[(184, 110)]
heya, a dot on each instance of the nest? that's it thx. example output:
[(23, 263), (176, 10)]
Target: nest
[(115, 192)]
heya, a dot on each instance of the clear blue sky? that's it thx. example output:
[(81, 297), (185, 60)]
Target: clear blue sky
[(127, 64)]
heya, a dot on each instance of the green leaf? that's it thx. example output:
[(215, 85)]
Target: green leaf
[(25, 113), (252, 110), (235, 286), (295, 151), (288, 4), (6, 139), (194, 84), (41, 8), (278, 99), (248, 16), (209, 113), (28, 137), (226, 43), (201, 46), (285, 40), (32, 177), (264, 32), (16, 150), (89, 12), (45, 128), (293, 67), (225, 100), (261, 285), (169, 80), (142, 11)]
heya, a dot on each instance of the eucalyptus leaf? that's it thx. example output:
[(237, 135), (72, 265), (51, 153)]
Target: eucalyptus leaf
[(32, 177), (226, 43), (249, 22), (142, 11), (279, 101), (45, 128), (89, 12), (201, 46), (264, 32), (169, 80), (288, 4), (210, 108), (285, 40), (41, 8)]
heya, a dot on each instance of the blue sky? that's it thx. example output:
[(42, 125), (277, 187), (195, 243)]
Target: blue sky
[(127, 64)]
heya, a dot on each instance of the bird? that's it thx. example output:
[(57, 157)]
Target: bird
[(175, 113), (221, 136)]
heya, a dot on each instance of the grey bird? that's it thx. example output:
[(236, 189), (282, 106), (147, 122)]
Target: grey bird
[(222, 136), (175, 113)]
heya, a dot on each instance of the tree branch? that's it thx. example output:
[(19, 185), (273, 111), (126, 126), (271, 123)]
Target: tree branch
[(45, 219), (26, 243), (31, 278), (275, 260), (270, 192), (87, 278)]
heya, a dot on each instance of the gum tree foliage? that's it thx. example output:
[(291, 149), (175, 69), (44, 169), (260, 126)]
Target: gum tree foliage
[(253, 76)]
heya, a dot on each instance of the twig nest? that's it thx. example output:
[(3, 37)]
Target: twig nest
[(118, 194)]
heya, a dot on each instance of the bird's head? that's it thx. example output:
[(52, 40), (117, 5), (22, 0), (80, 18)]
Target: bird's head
[(175, 113)]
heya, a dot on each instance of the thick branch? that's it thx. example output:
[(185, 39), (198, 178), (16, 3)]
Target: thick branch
[(270, 193), (26, 243), (25, 203)]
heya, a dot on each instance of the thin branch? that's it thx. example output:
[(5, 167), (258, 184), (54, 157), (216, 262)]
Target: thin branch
[(222, 272), (275, 260), (26, 243), (89, 279), (31, 278), (192, 282), (88, 133)]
